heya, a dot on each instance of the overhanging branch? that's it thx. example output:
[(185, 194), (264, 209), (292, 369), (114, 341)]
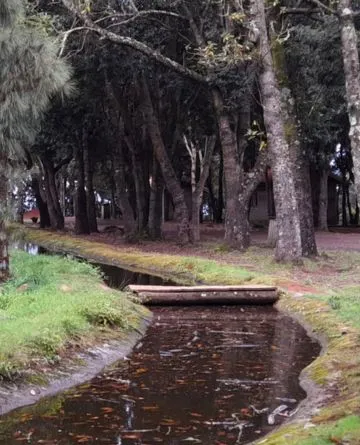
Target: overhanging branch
[(135, 44)]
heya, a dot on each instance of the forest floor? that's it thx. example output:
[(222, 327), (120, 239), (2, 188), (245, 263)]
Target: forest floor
[(338, 264), (323, 293)]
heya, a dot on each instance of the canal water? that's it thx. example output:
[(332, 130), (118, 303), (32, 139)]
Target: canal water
[(206, 375), (215, 375)]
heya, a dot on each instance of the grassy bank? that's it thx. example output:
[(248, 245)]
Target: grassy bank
[(183, 269), (52, 306), (330, 307)]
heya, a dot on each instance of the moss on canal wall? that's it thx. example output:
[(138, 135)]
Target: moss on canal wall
[(331, 417)]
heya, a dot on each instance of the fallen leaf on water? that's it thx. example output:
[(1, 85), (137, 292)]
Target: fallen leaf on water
[(46, 442), (83, 439), (167, 422), (245, 412), (107, 409), (150, 408)]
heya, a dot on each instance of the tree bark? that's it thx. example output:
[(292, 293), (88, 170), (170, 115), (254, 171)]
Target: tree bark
[(288, 246), (234, 224), (348, 202), (155, 203), (121, 195), (343, 202), (323, 201), (349, 46), (140, 192), (52, 199), (90, 194), (41, 204), (301, 171), (81, 218), (4, 254), (198, 186), (167, 170), (298, 157), (220, 197)]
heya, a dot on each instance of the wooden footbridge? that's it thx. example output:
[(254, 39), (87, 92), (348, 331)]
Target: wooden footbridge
[(205, 295)]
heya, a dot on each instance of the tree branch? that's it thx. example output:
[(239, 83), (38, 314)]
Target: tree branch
[(133, 17), (288, 11), (136, 45), (62, 163), (66, 36), (321, 5)]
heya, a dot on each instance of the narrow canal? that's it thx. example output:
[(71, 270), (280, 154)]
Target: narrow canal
[(215, 375)]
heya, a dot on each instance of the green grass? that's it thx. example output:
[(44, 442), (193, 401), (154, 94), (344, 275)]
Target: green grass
[(210, 271), (344, 431), (345, 302), (51, 304), (182, 269)]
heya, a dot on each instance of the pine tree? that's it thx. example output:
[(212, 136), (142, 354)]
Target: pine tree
[(30, 75)]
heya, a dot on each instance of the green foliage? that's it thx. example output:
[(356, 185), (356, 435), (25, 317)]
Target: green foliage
[(30, 74), (9, 10), (51, 301), (314, 61), (334, 302)]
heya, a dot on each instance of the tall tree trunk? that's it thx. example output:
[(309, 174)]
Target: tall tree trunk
[(171, 181), (89, 187), (113, 200), (323, 200), (298, 157), (41, 204), (62, 191), (288, 247), (4, 254), (220, 197), (140, 192), (349, 46), (357, 214), (121, 195), (155, 203), (343, 202), (198, 186), (235, 236), (20, 199), (81, 218), (348, 202), (52, 199)]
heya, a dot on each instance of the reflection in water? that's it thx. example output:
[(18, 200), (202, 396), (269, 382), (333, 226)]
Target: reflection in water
[(32, 249), (220, 375)]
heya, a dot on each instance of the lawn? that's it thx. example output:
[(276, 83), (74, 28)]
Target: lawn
[(53, 305)]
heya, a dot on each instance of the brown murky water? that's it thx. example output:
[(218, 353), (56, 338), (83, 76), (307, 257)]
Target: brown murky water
[(209, 375)]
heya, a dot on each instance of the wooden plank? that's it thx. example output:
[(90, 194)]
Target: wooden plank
[(204, 298), (145, 288)]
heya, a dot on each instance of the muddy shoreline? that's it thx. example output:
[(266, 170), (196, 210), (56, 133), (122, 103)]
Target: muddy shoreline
[(93, 360)]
